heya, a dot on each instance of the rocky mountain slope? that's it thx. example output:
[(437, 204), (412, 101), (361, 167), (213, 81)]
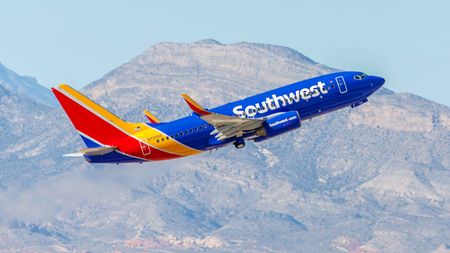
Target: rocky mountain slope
[(31, 131), (25, 86), (370, 179)]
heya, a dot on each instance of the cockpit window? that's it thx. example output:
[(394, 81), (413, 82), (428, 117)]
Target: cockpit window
[(360, 76)]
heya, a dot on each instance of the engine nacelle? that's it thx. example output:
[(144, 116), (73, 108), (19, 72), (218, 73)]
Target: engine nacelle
[(277, 125)]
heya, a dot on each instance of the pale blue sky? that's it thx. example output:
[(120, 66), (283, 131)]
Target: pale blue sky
[(407, 42)]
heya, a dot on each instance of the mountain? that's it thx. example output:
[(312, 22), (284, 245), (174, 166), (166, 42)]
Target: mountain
[(29, 125), (212, 72), (369, 179), (25, 86)]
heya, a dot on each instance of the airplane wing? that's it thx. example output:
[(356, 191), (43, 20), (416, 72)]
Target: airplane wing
[(225, 126)]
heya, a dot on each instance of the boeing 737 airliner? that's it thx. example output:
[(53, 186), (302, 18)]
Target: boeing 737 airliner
[(110, 139)]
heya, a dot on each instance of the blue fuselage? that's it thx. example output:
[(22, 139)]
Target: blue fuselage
[(310, 98)]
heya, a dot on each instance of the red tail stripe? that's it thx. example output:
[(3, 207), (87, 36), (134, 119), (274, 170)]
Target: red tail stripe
[(92, 125)]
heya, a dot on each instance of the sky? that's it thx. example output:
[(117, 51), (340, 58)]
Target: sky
[(77, 42)]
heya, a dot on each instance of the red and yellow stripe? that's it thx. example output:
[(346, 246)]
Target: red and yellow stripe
[(95, 121)]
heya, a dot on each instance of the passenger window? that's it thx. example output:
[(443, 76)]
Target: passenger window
[(167, 138), (157, 140), (205, 126)]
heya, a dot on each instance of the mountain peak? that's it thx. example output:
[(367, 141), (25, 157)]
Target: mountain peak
[(208, 41), (242, 63), (25, 86), (279, 50)]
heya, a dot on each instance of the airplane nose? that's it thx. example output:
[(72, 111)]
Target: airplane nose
[(377, 81)]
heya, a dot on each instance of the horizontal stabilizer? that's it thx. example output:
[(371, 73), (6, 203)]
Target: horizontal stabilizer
[(73, 155), (97, 151)]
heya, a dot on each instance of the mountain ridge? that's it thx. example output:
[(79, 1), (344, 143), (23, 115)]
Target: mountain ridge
[(369, 179), (25, 86)]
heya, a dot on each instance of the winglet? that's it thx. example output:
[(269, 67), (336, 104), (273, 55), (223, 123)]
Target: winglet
[(195, 106), (151, 117)]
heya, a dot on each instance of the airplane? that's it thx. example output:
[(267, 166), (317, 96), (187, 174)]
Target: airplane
[(110, 139)]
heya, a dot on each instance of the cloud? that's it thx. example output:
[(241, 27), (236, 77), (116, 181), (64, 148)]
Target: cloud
[(95, 184)]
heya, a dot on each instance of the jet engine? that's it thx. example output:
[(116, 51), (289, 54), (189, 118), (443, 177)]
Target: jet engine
[(277, 124)]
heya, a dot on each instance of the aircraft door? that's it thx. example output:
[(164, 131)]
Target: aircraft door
[(145, 147), (341, 84)]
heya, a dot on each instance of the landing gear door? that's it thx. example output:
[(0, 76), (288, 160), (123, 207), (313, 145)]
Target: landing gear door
[(341, 84)]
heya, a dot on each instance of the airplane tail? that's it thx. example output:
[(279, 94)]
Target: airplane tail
[(97, 126)]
